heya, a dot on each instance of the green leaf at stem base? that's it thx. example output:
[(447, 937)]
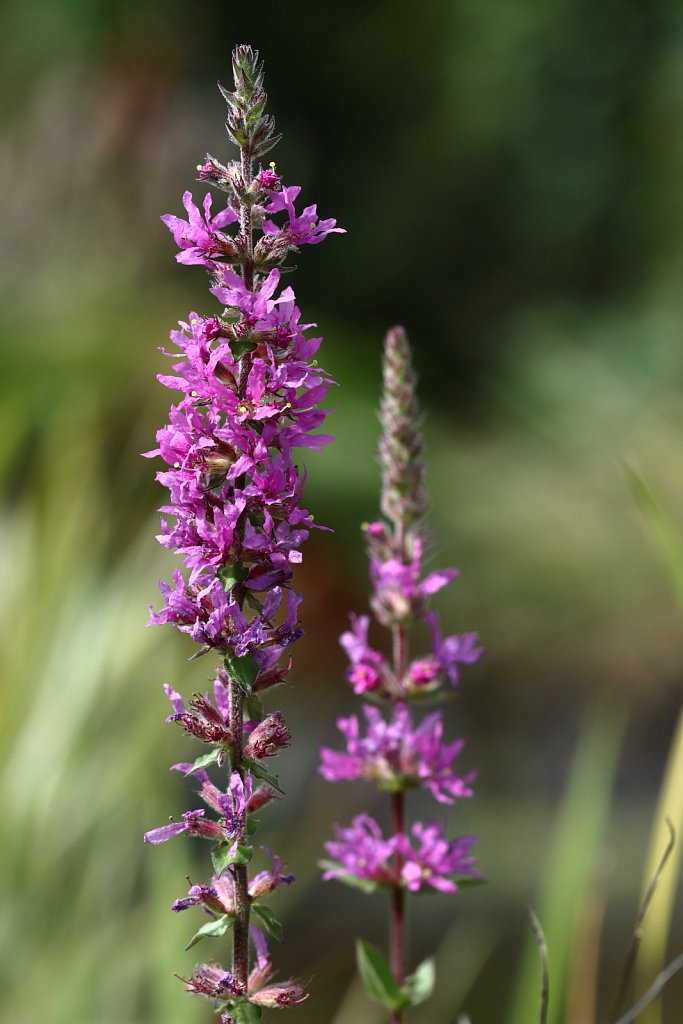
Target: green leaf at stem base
[(378, 978)]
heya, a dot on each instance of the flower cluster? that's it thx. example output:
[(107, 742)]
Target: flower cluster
[(393, 751), (249, 391)]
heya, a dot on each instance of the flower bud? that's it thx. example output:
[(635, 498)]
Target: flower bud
[(270, 736)]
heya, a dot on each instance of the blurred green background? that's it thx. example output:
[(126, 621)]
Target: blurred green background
[(509, 173)]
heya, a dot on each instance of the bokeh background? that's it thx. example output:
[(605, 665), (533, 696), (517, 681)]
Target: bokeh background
[(509, 173)]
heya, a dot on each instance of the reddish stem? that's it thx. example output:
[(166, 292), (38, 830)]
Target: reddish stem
[(240, 952), (397, 920), (397, 941)]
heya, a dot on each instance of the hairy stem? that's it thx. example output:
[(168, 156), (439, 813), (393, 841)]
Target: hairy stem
[(397, 940), (240, 955), (397, 921), (246, 226)]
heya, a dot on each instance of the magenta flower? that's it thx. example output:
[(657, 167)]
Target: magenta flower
[(213, 981), (199, 237), (435, 859), (206, 896), (268, 881), (248, 392), (305, 229), (368, 670), (362, 851), (400, 594), (268, 737), (397, 756), (194, 823), (394, 751), (451, 651)]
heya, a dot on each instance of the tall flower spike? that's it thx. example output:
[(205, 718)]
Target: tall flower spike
[(248, 395), (396, 754), (403, 495)]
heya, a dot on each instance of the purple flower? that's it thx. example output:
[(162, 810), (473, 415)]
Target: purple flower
[(268, 178), (213, 981), (267, 881), (194, 823), (435, 859), (268, 737), (247, 393), (283, 993), (305, 229), (234, 806), (203, 721), (368, 670), (397, 756), (204, 895), (399, 592), (362, 851), (451, 651), (199, 237)]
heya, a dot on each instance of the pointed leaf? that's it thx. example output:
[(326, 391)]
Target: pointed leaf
[(212, 757), (377, 976), (254, 708), (269, 921), (198, 654), (243, 670), (420, 985), (218, 927), (232, 573), (222, 856), (260, 772), (364, 884)]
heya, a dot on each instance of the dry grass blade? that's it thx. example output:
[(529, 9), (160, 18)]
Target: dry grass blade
[(654, 990), (543, 953), (629, 965)]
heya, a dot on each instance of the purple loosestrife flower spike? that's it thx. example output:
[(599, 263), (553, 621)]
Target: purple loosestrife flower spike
[(247, 394), (404, 498), (395, 752)]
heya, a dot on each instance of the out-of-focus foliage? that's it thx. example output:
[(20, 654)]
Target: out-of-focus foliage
[(509, 175)]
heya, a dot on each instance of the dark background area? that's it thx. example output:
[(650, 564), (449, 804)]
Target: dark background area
[(509, 174)]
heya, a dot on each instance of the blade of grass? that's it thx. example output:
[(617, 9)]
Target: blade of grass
[(543, 954), (636, 938), (667, 539), (570, 863)]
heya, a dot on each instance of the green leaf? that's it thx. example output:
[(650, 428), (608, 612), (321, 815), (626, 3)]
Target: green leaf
[(420, 985), (218, 927), (246, 1013), (198, 654), (268, 919), (238, 348), (364, 884), (243, 670), (254, 708), (232, 315), (377, 976), (206, 759), (252, 600), (232, 573), (259, 771), (223, 858), (470, 883), (252, 825)]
